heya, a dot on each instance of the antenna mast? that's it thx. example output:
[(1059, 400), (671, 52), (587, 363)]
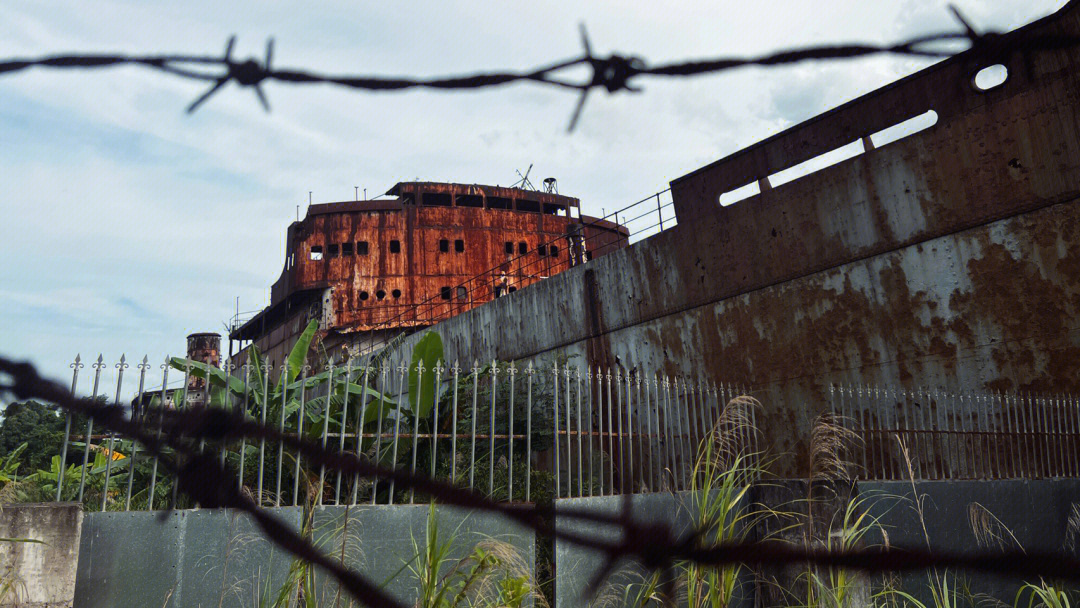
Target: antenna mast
[(524, 182)]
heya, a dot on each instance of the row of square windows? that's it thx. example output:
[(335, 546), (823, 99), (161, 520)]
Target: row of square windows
[(333, 250), (446, 293)]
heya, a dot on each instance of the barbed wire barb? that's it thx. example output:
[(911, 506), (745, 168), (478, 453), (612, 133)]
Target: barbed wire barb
[(614, 73), (249, 73)]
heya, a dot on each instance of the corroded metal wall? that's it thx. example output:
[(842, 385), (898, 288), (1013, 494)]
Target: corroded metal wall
[(420, 270), (369, 269), (946, 259), (206, 348)]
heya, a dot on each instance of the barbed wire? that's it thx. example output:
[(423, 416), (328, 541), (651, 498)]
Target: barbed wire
[(655, 545), (613, 73)]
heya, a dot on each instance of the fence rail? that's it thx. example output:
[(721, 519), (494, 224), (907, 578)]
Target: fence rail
[(526, 433), (510, 432), (931, 435)]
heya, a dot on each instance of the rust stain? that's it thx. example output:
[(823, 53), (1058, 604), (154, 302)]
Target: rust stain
[(437, 250)]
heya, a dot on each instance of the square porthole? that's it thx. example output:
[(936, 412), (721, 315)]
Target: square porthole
[(395, 246), (347, 248), (444, 245), (361, 248), (316, 252), (462, 293), (469, 200), (509, 248), (554, 251), (333, 250), (459, 246), (436, 199), (541, 250), (523, 248), (444, 293)]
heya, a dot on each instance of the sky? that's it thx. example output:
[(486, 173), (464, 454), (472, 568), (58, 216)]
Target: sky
[(129, 224)]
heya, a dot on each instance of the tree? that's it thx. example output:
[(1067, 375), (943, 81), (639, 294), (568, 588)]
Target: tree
[(40, 427)]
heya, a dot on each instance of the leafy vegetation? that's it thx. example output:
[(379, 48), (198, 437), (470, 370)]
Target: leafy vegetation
[(40, 427)]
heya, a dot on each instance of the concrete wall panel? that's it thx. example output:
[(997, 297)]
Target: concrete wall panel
[(181, 558), (40, 573), (216, 558)]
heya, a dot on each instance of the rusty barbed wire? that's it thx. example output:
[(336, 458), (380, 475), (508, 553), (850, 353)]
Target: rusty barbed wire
[(612, 73), (654, 545)]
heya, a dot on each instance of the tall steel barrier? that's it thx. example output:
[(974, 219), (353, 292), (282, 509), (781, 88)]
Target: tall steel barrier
[(930, 434), (511, 432)]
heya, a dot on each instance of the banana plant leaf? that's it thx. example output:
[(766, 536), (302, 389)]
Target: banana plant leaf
[(298, 354), (428, 352), (217, 376)]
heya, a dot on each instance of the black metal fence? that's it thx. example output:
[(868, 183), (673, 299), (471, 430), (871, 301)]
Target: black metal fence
[(926, 435), (513, 433)]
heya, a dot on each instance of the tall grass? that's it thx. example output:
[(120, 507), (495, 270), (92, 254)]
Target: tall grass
[(720, 511), (493, 574), (847, 522)]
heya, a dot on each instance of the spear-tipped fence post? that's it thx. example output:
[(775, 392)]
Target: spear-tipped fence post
[(628, 475), (435, 417), (378, 432), (659, 461), (592, 434), (263, 407), (1009, 430), (491, 430), (580, 476), (678, 435), (620, 430), (598, 405), (555, 418), (512, 373), (649, 477), (663, 438), (693, 431), (246, 369), (669, 430), (301, 413), (75, 366), (361, 418), (528, 434), (569, 442), (284, 382), (454, 426), (226, 369), (325, 430), (611, 436), (161, 416), (472, 443), (397, 424), (97, 366), (344, 426), (416, 421), (950, 412), (143, 366), (120, 367)]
